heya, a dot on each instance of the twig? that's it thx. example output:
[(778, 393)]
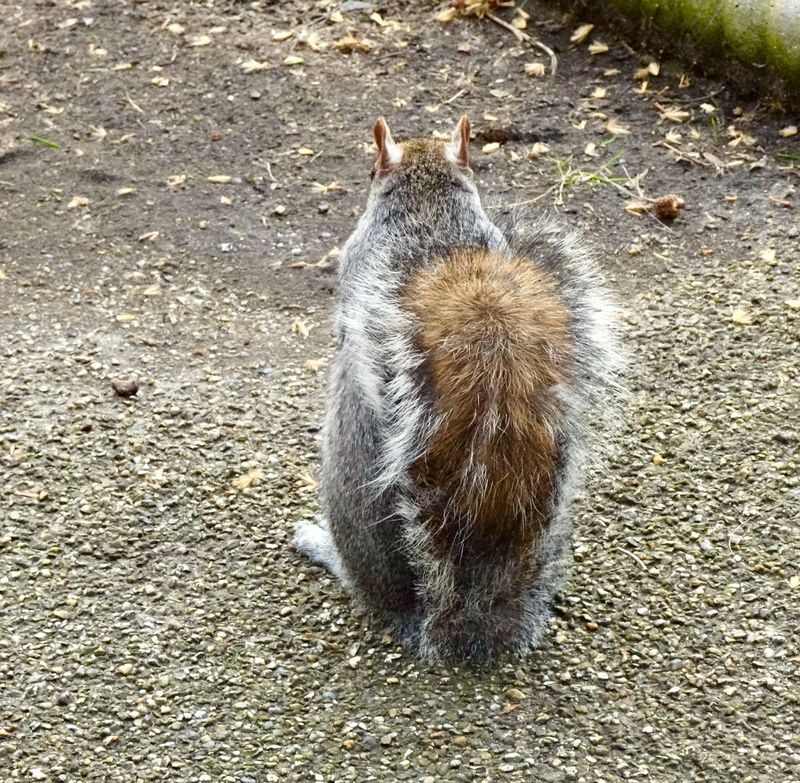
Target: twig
[(520, 36), (630, 554), (456, 96), (265, 165), (681, 155)]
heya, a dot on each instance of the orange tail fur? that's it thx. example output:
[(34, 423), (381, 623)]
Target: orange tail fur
[(497, 346)]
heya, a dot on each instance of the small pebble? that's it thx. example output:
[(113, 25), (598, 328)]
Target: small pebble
[(125, 387)]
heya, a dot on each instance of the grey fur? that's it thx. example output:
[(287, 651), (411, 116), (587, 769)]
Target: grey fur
[(381, 414)]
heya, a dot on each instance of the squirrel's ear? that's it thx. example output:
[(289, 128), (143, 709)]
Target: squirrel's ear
[(389, 153), (458, 148)]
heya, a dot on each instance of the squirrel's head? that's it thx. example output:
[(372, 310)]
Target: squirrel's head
[(422, 168)]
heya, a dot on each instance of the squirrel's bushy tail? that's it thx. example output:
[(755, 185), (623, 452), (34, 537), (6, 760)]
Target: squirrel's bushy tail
[(496, 341)]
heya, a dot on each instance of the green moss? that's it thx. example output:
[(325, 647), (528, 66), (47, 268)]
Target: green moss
[(744, 24), (782, 38)]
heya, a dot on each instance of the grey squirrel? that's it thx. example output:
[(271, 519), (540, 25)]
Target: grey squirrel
[(472, 358)]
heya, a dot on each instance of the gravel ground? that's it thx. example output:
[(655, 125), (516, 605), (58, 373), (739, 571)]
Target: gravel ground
[(154, 623)]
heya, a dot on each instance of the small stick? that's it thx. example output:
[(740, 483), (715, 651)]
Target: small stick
[(679, 154), (520, 36), (631, 555)]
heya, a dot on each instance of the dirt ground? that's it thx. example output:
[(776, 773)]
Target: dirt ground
[(154, 622)]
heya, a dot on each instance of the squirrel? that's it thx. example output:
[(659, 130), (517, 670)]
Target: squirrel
[(474, 355)]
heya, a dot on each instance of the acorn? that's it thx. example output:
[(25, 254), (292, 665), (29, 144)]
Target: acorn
[(667, 208)]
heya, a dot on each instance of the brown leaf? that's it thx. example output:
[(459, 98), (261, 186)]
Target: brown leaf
[(176, 181), (198, 40), (299, 327), (251, 66), (613, 127), (581, 33), (253, 477), (674, 113), (350, 44)]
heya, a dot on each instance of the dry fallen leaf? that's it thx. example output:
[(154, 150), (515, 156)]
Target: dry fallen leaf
[(613, 127), (135, 106), (599, 93), (282, 35), (125, 318), (122, 67), (315, 365), (350, 44), (176, 181), (789, 130), (250, 66), (742, 316), (535, 69), (673, 137), (160, 81), (447, 15), (520, 21), (597, 47), (581, 33), (152, 290), (673, 113), (149, 235), (293, 59), (537, 150), (198, 40), (488, 149), (176, 29), (739, 137), (792, 304), (78, 201), (51, 109), (126, 191), (299, 327), (325, 261), (220, 179), (332, 187), (252, 478), (591, 150), (305, 479), (637, 207), (654, 68)]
